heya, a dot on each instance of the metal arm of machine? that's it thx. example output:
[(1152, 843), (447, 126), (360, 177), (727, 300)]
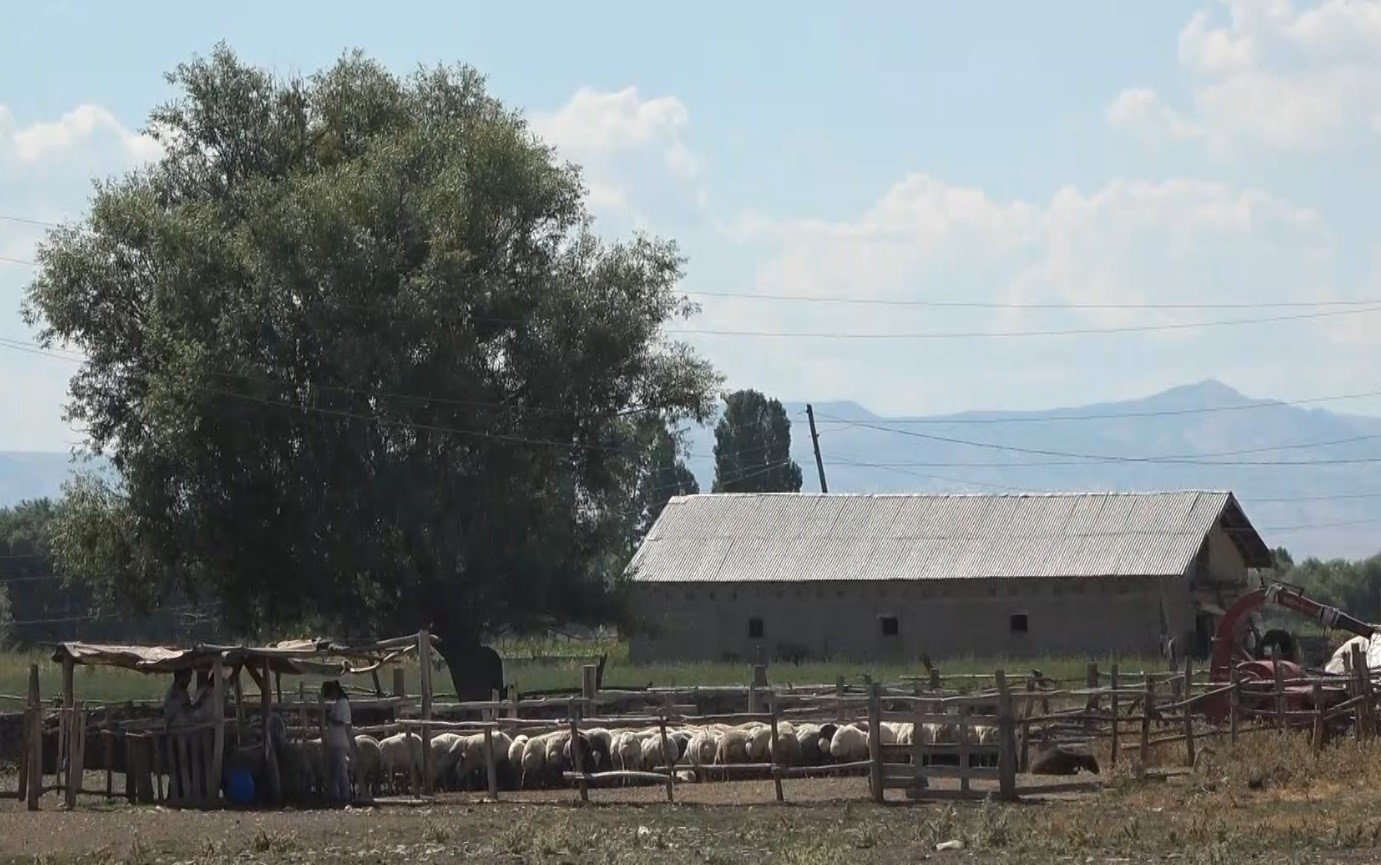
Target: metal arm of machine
[(1283, 595)]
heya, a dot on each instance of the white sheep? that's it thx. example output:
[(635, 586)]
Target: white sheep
[(849, 744), (654, 757), (369, 763), (446, 749), (401, 755), (759, 742), (515, 750), (788, 750), (701, 749), (626, 751), (733, 747)]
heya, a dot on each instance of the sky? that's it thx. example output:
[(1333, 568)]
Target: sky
[(849, 175)]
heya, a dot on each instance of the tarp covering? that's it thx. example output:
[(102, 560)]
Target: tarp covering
[(288, 656), (1371, 649)]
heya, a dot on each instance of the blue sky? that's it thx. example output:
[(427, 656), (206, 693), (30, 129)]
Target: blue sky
[(1005, 153)]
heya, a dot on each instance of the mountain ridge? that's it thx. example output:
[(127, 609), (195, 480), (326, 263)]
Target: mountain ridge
[(1308, 477)]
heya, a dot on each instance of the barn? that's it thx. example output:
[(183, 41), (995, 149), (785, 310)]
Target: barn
[(891, 577)]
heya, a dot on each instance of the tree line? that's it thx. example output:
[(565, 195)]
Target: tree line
[(41, 603)]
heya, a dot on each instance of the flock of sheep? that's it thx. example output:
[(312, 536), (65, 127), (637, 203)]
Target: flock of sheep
[(525, 762)]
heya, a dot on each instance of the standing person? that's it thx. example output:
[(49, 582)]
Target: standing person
[(177, 703), (340, 741)]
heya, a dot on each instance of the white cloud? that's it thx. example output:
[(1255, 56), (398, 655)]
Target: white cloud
[(89, 138), (1272, 74), (1140, 112), (46, 169), (624, 141), (1128, 242)]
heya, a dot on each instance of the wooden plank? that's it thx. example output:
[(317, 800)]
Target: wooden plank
[(491, 765), (218, 742), (668, 754), (1006, 735), (939, 795), (1116, 718), (424, 659), (776, 775), (875, 743), (578, 760), (971, 773), (1188, 714)]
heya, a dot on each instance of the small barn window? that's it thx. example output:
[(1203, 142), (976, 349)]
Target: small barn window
[(1018, 624), (889, 626), (755, 630)]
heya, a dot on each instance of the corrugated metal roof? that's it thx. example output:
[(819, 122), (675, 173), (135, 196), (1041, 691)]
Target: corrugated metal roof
[(785, 536)]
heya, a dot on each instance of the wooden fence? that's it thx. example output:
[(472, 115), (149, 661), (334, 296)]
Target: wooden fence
[(1131, 714)]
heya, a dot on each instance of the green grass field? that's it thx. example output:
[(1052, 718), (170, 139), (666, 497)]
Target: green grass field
[(551, 665)]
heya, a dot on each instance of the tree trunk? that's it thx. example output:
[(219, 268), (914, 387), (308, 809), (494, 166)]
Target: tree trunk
[(476, 670)]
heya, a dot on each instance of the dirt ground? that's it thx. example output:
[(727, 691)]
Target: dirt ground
[(1186, 818)]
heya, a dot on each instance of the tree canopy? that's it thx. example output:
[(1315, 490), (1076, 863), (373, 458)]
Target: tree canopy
[(359, 358), (664, 475), (752, 451)]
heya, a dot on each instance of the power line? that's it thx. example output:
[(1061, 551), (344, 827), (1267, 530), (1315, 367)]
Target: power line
[(1186, 459), (1001, 334), (976, 304), (1028, 418)]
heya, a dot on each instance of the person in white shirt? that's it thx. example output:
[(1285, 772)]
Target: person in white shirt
[(340, 741)]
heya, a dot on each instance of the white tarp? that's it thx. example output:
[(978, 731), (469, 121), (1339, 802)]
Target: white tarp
[(1370, 648)]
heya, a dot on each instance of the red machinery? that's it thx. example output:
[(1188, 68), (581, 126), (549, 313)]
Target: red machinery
[(1229, 651)]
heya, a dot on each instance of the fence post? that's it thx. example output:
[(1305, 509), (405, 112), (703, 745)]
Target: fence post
[(839, 699), (1006, 739), (400, 683), (578, 760), (1279, 686), (1030, 710), (1234, 703), (1091, 706), (875, 742), (587, 688), (491, 767), (513, 702), (1188, 709), (1116, 718), (776, 750), (668, 754), (1147, 708), (1317, 697), (218, 741), (424, 660), (35, 740)]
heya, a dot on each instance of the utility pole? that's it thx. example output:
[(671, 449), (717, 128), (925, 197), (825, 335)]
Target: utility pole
[(815, 442)]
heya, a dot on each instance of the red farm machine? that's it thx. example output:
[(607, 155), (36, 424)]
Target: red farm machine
[(1276, 649)]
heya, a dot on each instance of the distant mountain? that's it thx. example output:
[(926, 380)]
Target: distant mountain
[(1314, 508), (1258, 444)]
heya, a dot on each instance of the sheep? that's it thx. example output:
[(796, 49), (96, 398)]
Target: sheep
[(980, 734), (700, 750), (589, 757), (533, 760), (733, 747), (368, 768), (654, 755), (515, 750), (446, 752), (601, 746), (627, 751), (788, 750), (1061, 760), (808, 741), (849, 744), (402, 755), (759, 741), (827, 732), (942, 734)]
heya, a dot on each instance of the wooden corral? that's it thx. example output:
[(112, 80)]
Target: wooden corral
[(1023, 719)]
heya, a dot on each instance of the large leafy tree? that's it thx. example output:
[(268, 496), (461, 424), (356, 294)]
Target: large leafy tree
[(752, 451), (359, 359)]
